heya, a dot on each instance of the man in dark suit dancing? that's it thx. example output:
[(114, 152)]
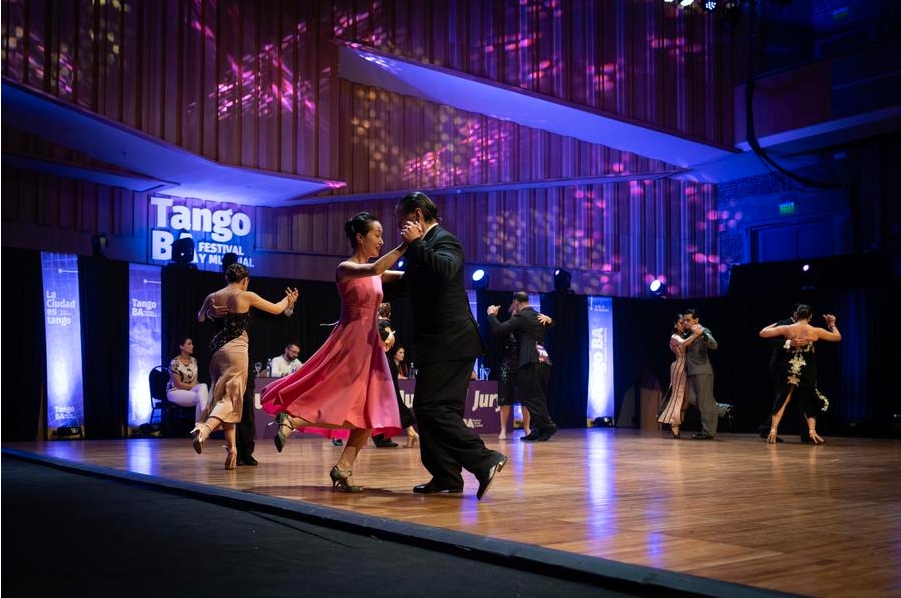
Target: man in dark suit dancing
[(534, 370), (446, 342)]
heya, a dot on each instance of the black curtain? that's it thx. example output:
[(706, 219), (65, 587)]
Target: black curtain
[(102, 287), (24, 384), (567, 345)]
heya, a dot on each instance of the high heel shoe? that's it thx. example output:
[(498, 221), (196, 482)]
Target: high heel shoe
[(281, 437), (815, 438), (675, 431), (231, 459), (198, 436), (771, 437), (412, 438), (340, 478)]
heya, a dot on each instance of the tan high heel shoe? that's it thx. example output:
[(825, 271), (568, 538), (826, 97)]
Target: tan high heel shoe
[(231, 459), (771, 437), (815, 438), (412, 438), (200, 433)]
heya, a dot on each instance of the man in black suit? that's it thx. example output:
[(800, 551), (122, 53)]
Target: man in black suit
[(534, 369), (446, 343)]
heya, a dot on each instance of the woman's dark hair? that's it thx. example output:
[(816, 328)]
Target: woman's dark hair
[(236, 272), (804, 311), (359, 223), (178, 342), (420, 200)]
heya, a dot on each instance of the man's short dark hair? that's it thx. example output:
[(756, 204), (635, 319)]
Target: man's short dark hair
[(521, 296)]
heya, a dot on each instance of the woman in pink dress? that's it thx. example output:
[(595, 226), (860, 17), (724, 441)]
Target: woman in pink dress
[(345, 389)]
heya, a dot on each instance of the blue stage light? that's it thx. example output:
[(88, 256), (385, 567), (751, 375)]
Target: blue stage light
[(480, 279)]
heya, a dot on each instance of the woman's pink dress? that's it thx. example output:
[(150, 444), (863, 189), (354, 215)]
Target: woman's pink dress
[(347, 382)]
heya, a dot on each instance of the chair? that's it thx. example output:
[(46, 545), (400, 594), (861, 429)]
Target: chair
[(162, 411)]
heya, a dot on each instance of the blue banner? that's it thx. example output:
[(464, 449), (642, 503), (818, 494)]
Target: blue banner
[(600, 357), (62, 323), (145, 332)]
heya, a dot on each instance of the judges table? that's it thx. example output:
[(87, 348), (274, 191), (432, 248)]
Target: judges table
[(479, 413)]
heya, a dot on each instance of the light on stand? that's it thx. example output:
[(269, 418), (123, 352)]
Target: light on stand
[(657, 288)]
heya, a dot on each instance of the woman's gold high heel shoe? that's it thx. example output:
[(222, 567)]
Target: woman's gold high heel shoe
[(815, 438), (412, 438), (340, 478), (198, 436), (231, 459), (771, 438), (675, 432), (281, 437)]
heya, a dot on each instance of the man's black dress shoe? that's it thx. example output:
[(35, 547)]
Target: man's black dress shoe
[(434, 488), (546, 434), (488, 477), (533, 435), (702, 436), (247, 460)]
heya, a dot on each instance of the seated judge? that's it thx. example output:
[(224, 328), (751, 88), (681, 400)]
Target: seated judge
[(287, 362)]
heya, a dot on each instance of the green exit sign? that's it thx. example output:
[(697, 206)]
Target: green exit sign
[(786, 208)]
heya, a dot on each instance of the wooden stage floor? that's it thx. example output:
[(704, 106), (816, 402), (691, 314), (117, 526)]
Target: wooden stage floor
[(810, 520)]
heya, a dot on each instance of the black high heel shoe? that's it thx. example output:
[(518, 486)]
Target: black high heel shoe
[(281, 437), (339, 478)]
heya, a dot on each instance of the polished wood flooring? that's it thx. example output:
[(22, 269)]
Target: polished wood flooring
[(812, 520)]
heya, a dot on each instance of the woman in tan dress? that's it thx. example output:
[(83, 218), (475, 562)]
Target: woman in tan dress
[(674, 408), (229, 361)]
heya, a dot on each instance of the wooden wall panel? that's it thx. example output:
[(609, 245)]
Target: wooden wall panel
[(255, 84)]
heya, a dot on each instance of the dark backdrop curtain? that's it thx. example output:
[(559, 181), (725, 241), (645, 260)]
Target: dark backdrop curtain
[(24, 383), (104, 310), (567, 345)]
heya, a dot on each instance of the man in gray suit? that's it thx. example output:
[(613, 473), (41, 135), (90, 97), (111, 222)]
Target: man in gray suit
[(534, 369), (700, 375), (446, 342)]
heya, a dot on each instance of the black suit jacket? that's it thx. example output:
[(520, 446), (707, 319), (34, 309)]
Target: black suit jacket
[(528, 330), (443, 326)]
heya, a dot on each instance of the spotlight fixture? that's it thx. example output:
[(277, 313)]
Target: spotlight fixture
[(657, 288), (562, 280), (228, 259), (183, 250), (99, 243), (480, 279)]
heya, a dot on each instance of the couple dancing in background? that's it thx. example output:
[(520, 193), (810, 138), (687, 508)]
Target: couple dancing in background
[(346, 387), (691, 377)]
